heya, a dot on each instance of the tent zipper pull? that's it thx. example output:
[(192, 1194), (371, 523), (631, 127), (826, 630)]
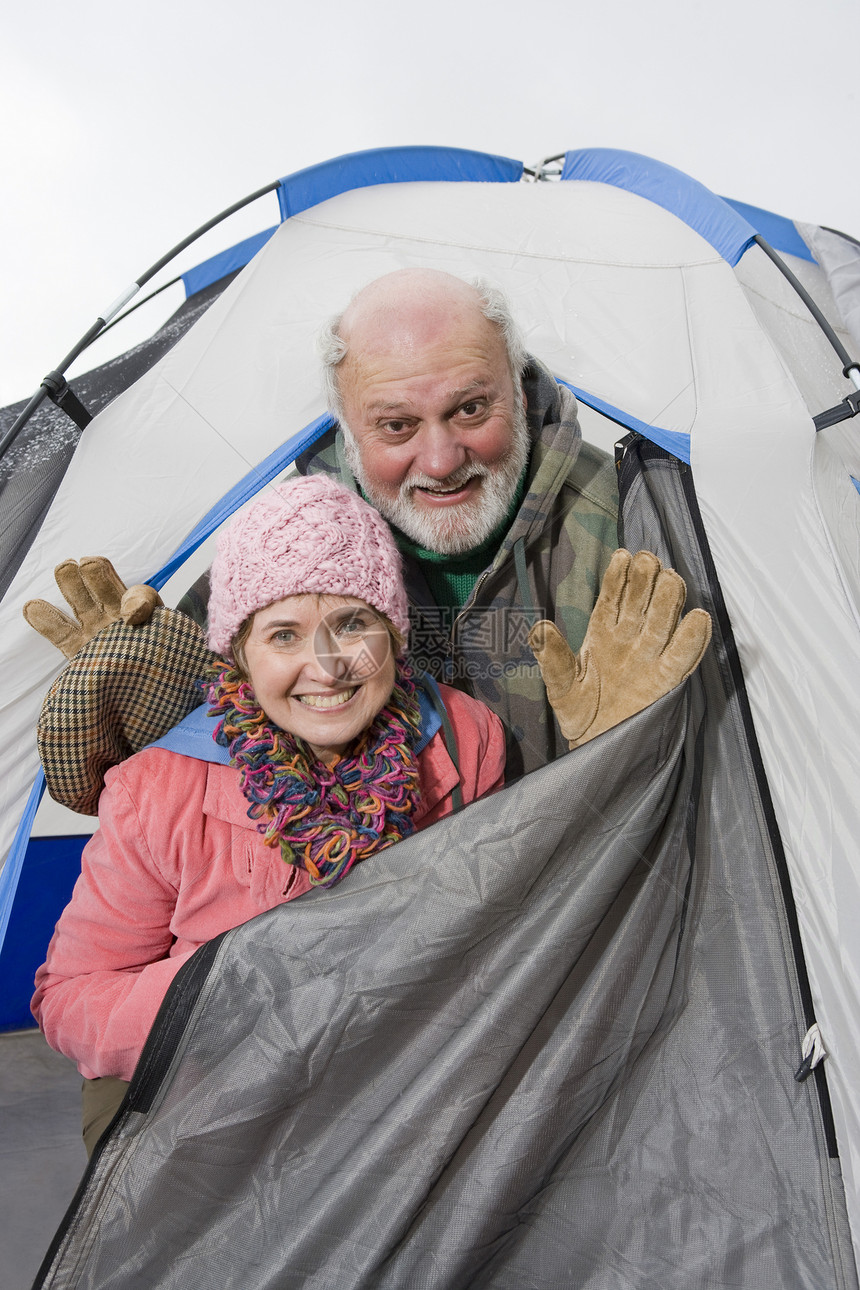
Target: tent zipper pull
[(813, 1051)]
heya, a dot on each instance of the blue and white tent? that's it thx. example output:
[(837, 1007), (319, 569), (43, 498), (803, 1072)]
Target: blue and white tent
[(666, 309)]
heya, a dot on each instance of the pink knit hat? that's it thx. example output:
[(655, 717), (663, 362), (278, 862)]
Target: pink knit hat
[(305, 535)]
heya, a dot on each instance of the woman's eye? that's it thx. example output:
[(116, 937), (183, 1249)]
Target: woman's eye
[(352, 626), (284, 637)]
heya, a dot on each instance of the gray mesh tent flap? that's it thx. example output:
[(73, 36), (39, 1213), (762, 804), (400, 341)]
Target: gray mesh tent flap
[(547, 1043)]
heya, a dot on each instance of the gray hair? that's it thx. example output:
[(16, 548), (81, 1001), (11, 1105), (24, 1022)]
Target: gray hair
[(493, 304), (495, 307), (332, 351)]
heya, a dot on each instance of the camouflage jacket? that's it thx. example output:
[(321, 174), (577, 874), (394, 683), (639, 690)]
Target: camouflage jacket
[(550, 565)]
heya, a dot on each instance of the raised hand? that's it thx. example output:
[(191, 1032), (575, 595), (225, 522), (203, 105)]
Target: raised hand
[(636, 648), (96, 595)]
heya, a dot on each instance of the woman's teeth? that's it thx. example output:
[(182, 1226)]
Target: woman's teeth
[(326, 700)]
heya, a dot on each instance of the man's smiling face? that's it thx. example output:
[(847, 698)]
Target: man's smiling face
[(434, 422)]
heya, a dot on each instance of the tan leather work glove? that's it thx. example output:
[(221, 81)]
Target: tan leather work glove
[(96, 595), (636, 649)]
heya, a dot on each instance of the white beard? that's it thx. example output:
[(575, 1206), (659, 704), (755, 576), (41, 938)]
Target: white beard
[(451, 530)]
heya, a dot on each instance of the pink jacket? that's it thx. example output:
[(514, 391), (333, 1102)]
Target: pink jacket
[(175, 862)]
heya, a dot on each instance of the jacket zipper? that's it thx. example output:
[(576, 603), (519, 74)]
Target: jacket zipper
[(470, 604)]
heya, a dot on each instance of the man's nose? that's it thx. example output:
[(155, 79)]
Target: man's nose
[(440, 451)]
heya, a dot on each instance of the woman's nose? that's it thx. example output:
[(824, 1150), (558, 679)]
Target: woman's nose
[(325, 658)]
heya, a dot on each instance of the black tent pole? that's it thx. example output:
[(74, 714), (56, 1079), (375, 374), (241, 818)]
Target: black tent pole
[(850, 366), (54, 385), (850, 406)]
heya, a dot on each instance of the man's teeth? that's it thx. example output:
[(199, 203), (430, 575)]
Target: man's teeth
[(326, 700)]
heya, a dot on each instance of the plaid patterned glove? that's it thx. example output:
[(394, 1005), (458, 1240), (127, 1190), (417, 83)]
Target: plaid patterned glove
[(124, 689), (124, 686), (636, 649)]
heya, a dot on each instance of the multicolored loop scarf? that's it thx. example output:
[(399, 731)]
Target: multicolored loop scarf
[(325, 819)]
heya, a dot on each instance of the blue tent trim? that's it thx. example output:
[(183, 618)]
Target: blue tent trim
[(714, 219), (218, 266), (673, 441), (317, 184), (777, 231), (11, 873)]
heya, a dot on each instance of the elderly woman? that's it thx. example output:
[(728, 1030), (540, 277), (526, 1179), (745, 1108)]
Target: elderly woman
[(323, 752)]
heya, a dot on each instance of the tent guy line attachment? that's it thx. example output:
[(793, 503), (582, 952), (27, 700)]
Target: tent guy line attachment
[(813, 1052), (55, 386), (849, 407), (60, 392)]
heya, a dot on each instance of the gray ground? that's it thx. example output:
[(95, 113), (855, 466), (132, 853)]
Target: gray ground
[(42, 1157)]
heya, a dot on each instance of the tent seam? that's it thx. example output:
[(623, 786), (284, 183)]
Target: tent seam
[(502, 250), (801, 315)]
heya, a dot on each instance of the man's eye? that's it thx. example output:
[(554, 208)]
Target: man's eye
[(395, 427), (470, 409)]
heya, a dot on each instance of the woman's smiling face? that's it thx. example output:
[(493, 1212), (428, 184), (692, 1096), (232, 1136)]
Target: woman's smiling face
[(322, 667)]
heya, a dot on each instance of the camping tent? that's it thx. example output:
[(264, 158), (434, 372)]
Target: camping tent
[(661, 306)]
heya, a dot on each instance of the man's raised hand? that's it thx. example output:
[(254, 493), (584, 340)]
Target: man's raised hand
[(636, 648)]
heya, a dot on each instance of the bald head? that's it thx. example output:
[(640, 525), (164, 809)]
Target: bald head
[(410, 307), (408, 310)]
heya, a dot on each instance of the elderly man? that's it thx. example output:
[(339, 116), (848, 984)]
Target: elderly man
[(473, 453)]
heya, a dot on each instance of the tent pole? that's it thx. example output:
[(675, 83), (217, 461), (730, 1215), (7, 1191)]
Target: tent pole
[(850, 366), (54, 380)]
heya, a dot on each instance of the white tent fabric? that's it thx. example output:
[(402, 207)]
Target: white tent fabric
[(840, 259), (624, 300), (797, 631)]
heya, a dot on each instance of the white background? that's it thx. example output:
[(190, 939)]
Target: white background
[(125, 126)]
